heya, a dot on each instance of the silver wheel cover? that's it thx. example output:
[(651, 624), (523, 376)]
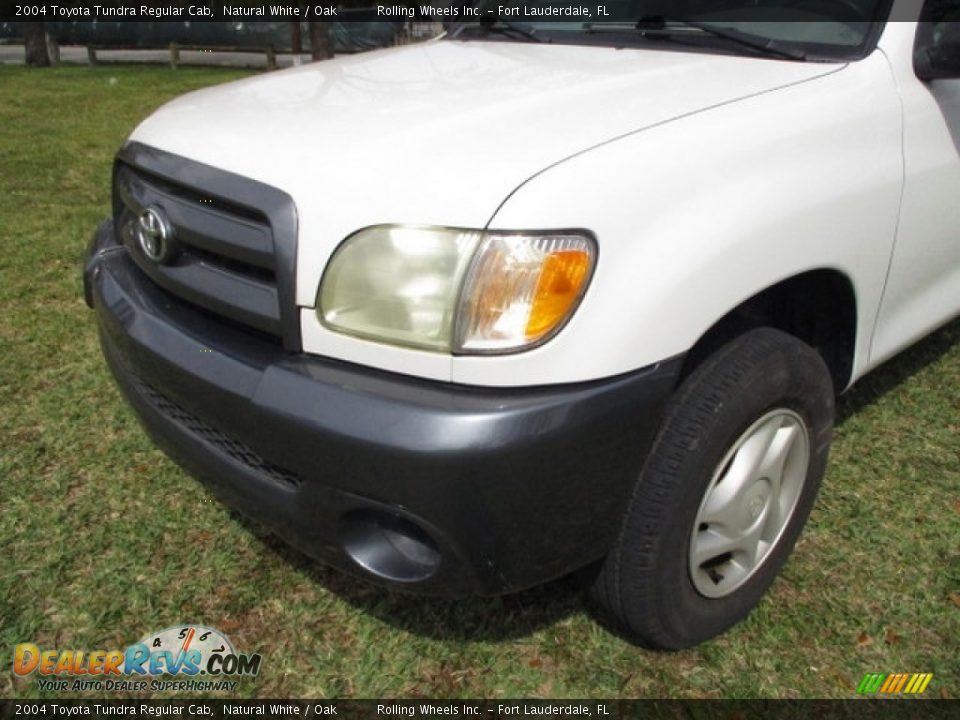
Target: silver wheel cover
[(749, 502)]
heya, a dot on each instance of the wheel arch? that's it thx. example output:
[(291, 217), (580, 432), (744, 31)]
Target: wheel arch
[(818, 307)]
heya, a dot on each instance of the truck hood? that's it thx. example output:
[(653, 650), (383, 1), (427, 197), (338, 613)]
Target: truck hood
[(441, 132)]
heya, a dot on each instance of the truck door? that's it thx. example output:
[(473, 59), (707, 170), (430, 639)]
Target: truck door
[(923, 285)]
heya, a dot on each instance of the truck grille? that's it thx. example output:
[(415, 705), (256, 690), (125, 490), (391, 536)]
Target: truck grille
[(232, 239)]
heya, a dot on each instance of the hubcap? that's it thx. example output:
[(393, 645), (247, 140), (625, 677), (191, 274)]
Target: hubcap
[(750, 500)]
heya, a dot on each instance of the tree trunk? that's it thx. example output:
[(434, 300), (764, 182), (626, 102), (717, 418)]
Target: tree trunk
[(35, 44), (296, 42), (321, 46)]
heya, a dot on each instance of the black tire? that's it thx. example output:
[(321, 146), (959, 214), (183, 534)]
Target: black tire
[(645, 584)]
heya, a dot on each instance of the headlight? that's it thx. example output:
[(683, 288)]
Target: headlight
[(450, 290)]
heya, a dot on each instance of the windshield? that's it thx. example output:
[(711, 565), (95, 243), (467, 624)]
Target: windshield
[(792, 29)]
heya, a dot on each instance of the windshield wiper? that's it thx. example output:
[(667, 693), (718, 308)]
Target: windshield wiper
[(667, 25), (501, 27)]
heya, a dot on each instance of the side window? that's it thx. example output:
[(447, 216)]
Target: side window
[(937, 51)]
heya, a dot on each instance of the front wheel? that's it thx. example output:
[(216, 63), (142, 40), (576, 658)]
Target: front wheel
[(725, 492)]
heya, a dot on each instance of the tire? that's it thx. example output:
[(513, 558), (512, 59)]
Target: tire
[(761, 405)]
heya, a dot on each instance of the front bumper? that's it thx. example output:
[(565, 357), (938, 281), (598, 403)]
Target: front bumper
[(436, 487)]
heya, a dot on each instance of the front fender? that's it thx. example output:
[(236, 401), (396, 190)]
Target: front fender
[(696, 215)]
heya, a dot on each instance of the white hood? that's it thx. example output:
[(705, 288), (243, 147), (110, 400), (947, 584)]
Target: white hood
[(442, 132)]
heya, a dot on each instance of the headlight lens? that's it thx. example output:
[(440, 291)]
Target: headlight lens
[(451, 290)]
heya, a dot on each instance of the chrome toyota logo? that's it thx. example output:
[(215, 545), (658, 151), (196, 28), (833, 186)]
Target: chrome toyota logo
[(154, 235)]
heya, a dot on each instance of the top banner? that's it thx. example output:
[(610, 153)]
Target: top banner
[(446, 11)]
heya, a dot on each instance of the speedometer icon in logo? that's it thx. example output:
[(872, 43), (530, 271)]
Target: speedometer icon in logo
[(180, 650), (183, 638), (154, 235), (189, 650)]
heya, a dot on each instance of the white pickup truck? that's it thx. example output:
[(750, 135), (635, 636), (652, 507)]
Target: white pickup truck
[(470, 315)]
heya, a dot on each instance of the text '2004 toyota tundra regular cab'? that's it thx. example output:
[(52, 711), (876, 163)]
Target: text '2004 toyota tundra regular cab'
[(469, 315)]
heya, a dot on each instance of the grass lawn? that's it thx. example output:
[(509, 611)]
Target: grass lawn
[(102, 539)]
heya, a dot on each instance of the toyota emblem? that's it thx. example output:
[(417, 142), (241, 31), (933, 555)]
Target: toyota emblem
[(154, 235)]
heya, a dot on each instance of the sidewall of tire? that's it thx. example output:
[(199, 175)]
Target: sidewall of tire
[(759, 372)]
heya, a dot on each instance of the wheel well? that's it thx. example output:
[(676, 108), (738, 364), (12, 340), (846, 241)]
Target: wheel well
[(818, 307)]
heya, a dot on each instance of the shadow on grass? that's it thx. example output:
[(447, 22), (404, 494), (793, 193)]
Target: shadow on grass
[(898, 370), (521, 614), (467, 618)]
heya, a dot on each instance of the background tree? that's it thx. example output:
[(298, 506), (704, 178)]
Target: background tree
[(296, 42), (35, 44), (321, 44)]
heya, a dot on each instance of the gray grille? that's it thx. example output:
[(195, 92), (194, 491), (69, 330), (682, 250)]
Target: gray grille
[(231, 241), (225, 260)]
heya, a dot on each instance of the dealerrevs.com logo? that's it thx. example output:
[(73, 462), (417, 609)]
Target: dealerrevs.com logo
[(183, 651)]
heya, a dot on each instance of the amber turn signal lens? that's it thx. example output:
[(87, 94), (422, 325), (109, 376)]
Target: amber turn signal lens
[(558, 289), (521, 288)]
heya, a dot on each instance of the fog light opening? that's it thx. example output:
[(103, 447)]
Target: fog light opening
[(389, 546)]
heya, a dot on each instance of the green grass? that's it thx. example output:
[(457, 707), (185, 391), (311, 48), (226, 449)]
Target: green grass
[(102, 539)]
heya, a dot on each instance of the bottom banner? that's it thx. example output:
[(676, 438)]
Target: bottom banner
[(893, 709)]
